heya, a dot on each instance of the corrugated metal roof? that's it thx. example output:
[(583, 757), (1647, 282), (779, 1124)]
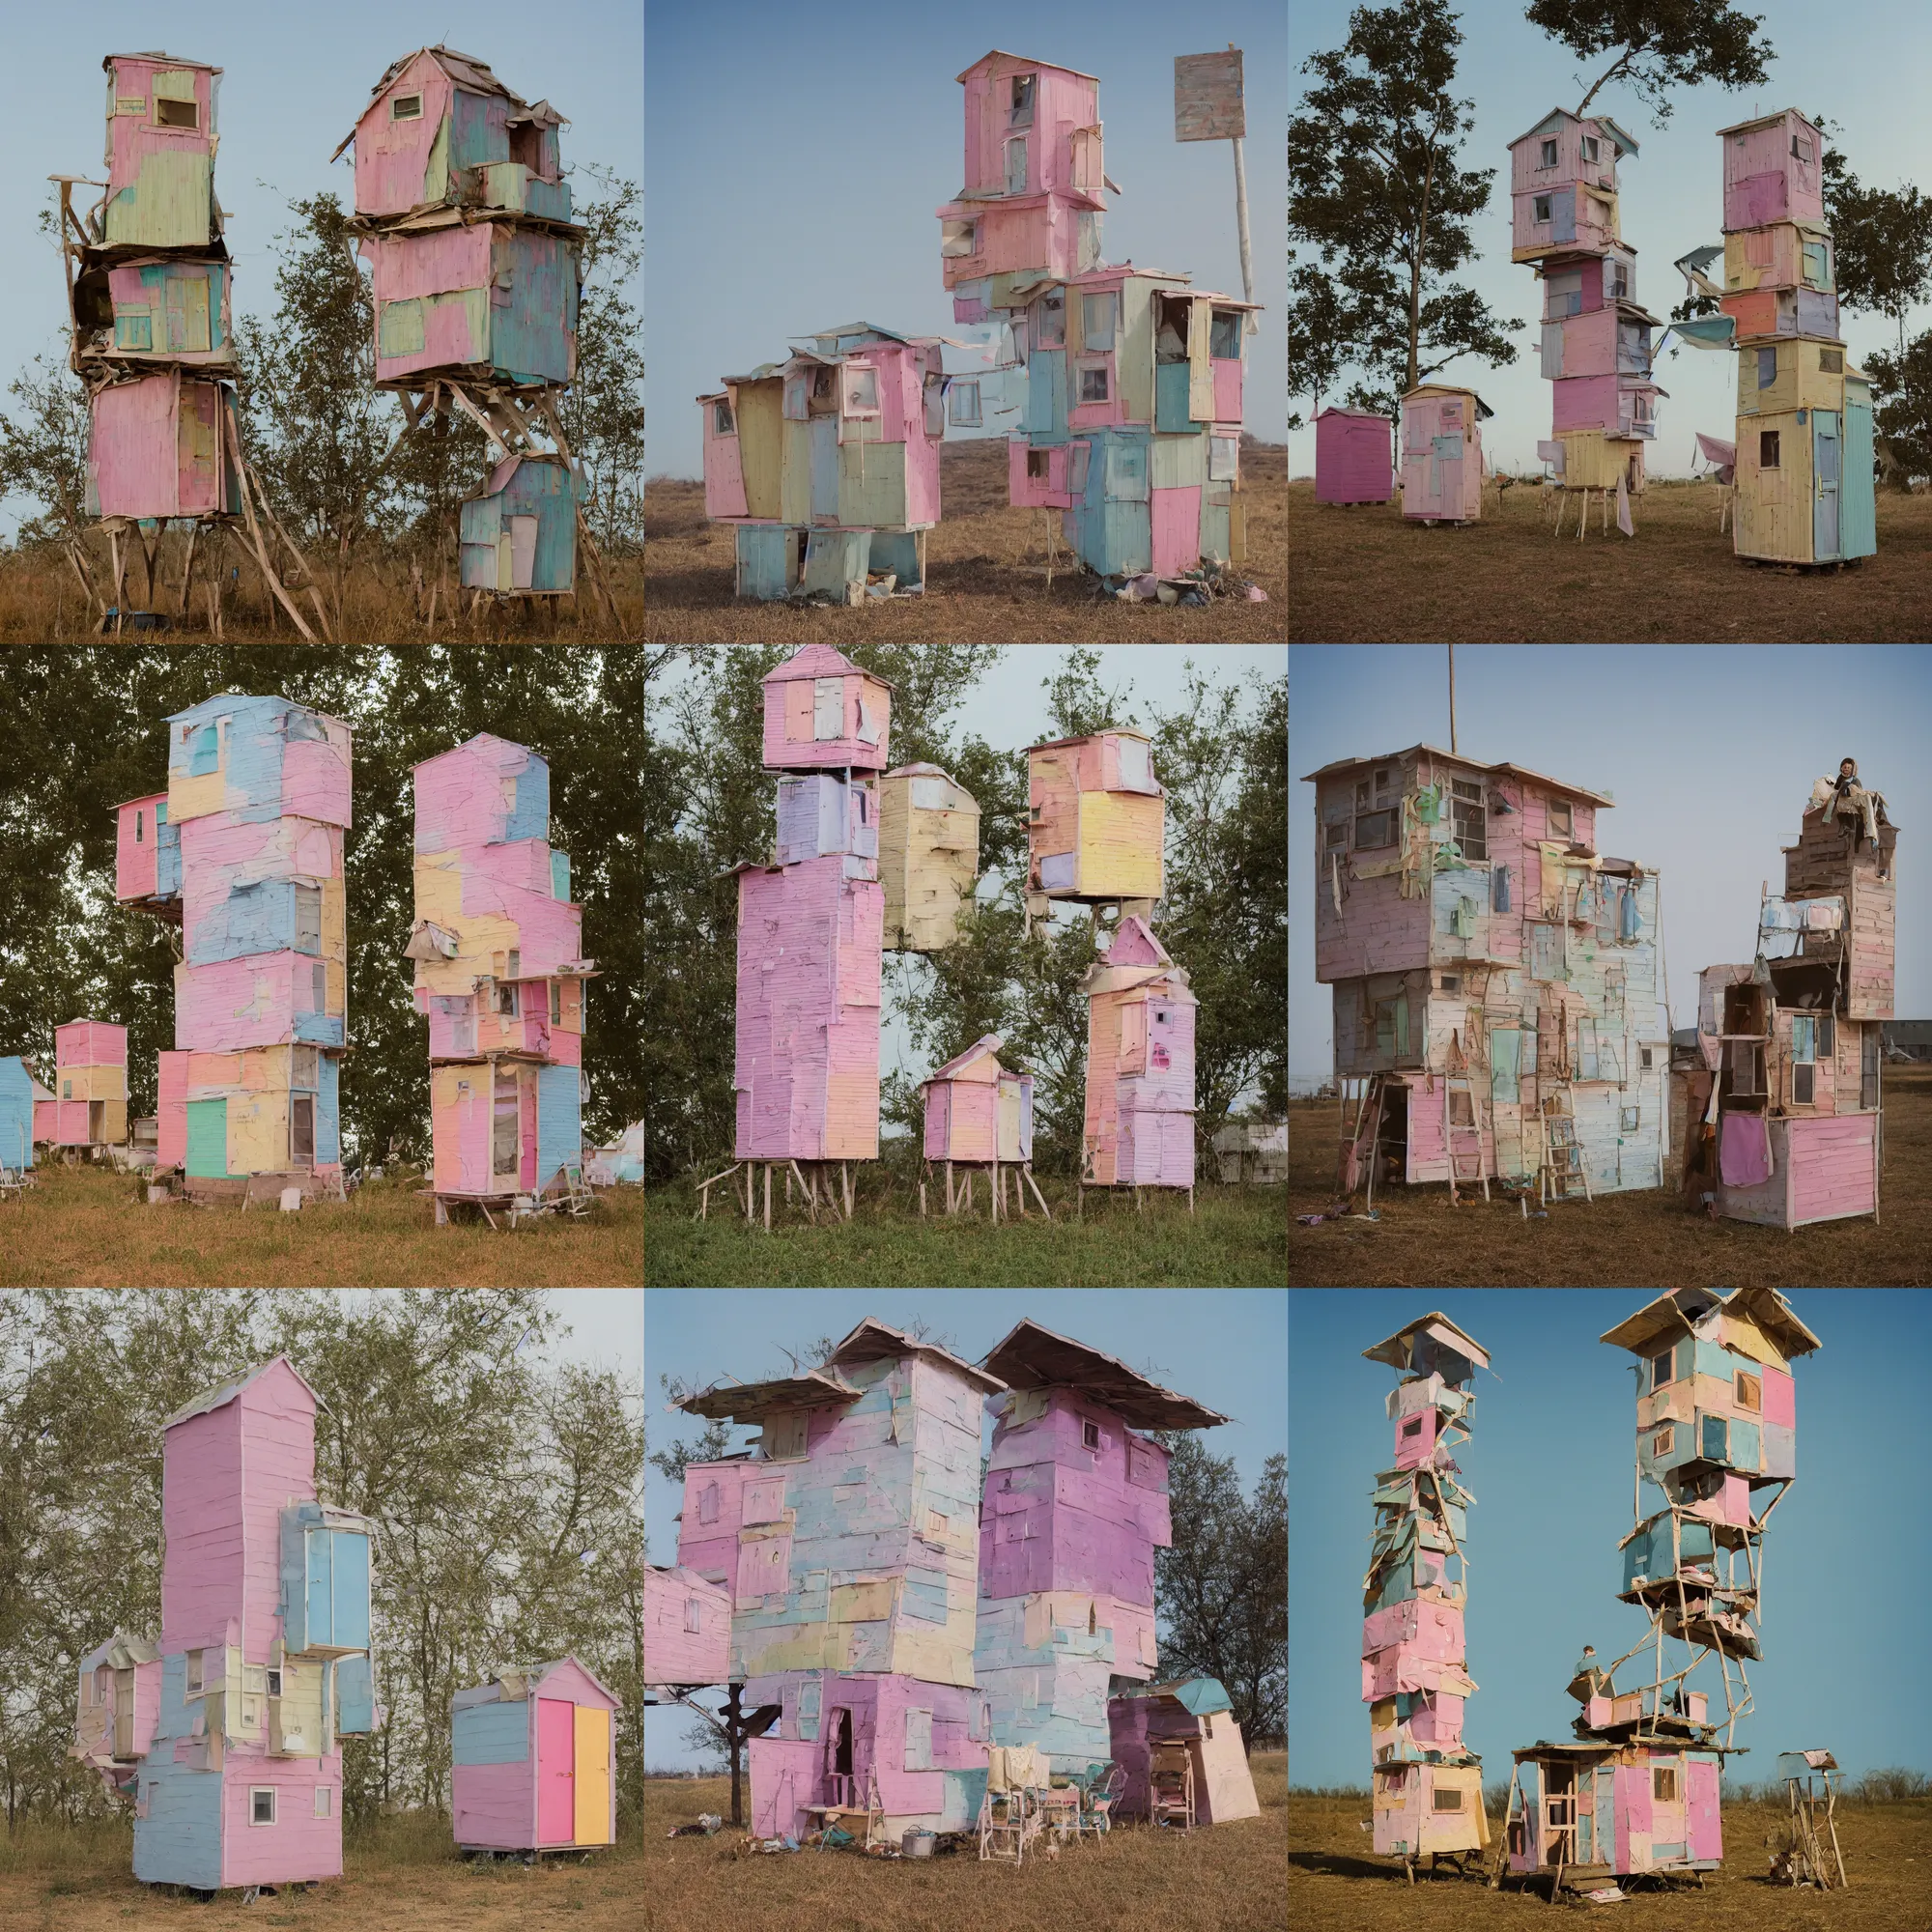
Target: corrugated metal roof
[(1000, 53), (226, 1392), (1032, 1356), (873, 1340), (988, 1043)]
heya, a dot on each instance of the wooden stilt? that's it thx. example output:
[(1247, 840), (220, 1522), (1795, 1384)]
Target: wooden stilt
[(998, 1184), (846, 1174), (951, 1206), (768, 1197), (921, 1200), (1037, 1194), (787, 1181)]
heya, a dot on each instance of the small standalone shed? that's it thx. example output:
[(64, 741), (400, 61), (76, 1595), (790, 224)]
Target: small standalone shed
[(1139, 1127), (1198, 1714), (1353, 461), (1096, 819), (90, 1107), (19, 1096), (981, 1114), (533, 1763), (928, 856), (823, 712), (1804, 485), (1442, 454), (521, 535)]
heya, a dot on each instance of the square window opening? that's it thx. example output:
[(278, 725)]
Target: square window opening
[(1767, 368), (1452, 982), (1542, 208), (1375, 830), (963, 404), (1093, 382), (193, 1672), (1550, 154), (182, 114), (274, 1682), (324, 1800), (1021, 112), (1664, 1784), (1036, 465), (1661, 1443), (1590, 148), (1561, 818), (1750, 1391), (1447, 1800), (1050, 321), (723, 424), (1831, 362), (1337, 837), (1090, 1435), (261, 1804), (1804, 1082), (407, 108), (1412, 1427)]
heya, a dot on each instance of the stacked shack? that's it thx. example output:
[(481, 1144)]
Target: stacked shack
[(827, 464), (255, 811), (1788, 1128), (1495, 978), (810, 926), (849, 1540), (1138, 1129), (226, 1730), (89, 1107), (1595, 340), (463, 216), (533, 1762), (500, 974), (1133, 414), (928, 856), (1716, 1427), (1415, 1681), (1805, 487)]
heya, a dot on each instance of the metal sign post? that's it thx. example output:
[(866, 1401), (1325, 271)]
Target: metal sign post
[(1208, 106)]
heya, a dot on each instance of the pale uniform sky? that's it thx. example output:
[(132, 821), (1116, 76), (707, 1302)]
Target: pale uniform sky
[(1861, 68), (294, 81), (1711, 751), (793, 174), (1008, 708), (1225, 1348), (1544, 1568)]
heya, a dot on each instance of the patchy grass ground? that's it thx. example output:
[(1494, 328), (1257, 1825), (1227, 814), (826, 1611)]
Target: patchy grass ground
[(985, 570), (406, 1874), (1636, 1239), (1337, 1884), (88, 1227), (1234, 1238), (1366, 575), (1227, 1877)]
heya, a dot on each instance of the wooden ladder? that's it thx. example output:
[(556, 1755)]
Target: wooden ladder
[(1452, 1084), (1561, 1171)]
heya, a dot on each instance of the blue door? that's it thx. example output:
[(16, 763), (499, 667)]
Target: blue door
[(1828, 455), (1858, 509), (824, 469), (349, 1586), (321, 1623)]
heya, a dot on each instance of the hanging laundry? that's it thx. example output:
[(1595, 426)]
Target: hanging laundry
[(1628, 920)]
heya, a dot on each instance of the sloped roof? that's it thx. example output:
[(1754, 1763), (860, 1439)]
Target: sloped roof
[(875, 1341), (1563, 786), (224, 1393), (1000, 53), (466, 70), (1674, 1312), (821, 661), (1032, 1358), (751, 1402), (1395, 1351), (988, 1043), (173, 60), (1557, 115)]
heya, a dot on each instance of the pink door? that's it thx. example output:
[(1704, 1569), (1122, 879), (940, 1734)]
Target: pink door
[(1700, 1791), (557, 1777), (1177, 531)]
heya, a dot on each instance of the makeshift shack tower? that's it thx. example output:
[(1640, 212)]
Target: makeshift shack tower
[(500, 972), (809, 937), (90, 1104), (1716, 1426), (465, 218), (1139, 1123), (226, 1731), (1595, 340), (248, 860), (826, 466), (849, 1539), (1496, 976), (1793, 1043), (149, 288), (1415, 1681), (1804, 486), (1133, 420)]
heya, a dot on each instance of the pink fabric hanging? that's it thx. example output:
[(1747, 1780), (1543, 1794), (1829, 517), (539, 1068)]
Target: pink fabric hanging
[(1744, 1151)]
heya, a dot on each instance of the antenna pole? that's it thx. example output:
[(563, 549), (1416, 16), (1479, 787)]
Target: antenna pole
[(1452, 700)]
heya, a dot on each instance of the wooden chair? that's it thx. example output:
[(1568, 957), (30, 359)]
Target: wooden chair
[(1171, 1785)]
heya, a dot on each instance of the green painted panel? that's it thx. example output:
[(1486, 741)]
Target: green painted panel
[(208, 1139), (169, 206), (401, 327), (1181, 462), (871, 484)]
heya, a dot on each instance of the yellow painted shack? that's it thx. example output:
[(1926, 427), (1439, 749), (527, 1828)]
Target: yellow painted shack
[(928, 856), (1096, 818)]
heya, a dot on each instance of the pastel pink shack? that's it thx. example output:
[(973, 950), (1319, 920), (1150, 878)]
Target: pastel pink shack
[(500, 972), (1773, 171), (1442, 454), (533, 1764), (1139, 1126), (90, 1086), (226, 1730), (687, 1629), (978, 1111), (823, 712), (1352, 459)]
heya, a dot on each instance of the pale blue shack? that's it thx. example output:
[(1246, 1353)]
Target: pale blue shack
[(521, 535), (16, 1115)]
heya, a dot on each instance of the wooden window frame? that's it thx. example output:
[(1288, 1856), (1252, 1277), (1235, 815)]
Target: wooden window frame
[(399, 101), (1567, 828)]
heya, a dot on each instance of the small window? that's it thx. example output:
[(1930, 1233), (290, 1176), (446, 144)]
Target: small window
[(205, 755), (516, 963), (1374, 830), (722, 422), (324, 1800), (1590, 147), (66, 1090), (1660, 1443), (274, 1681), (1548, 156), (261, 1804), (1664, 1783), (1767, 367), (1659, 1370), (707, 1503), (1627, 1119), (1098, 315), (1036, 465), (693, 1615), (318, 988), (556, 1003), (1645, 1052), (1804, 1037), (861, 389), (1021, 114), (309, 918), (962, 400), (1337, 837), (1447, 1800), (1542, 208), (1224, 458), (1562, 820), (407, 108), (1016, 166), (1617, 281), (1090, 1435), (1751, 1391), (1831, 362), (1093, 382), (1363, 796), (1050, 328), (1767, 449), (1826, 1042), (183, 114), (1224, 335), (1803, 1081), (1801, 148), (193, 1672), (958, 238), (1412, 1427), (1452, 982), (138, 816)]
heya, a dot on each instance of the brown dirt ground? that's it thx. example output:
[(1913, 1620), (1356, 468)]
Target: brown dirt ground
[(1336, 1884), (986, 568), (1225, 1878), (1364, 575), (1624, 1241)]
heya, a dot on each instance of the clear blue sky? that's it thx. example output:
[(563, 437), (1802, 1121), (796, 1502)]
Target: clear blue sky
[(1550, 1467), (795, 159), (294, 81), (1710, 750), (1861, 67), (1227, 1348)]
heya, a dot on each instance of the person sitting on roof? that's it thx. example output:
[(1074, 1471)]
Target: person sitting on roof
[(1866, 810), (1589, 1680)]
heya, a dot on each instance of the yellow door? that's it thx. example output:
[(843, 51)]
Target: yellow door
[(592, 1765)]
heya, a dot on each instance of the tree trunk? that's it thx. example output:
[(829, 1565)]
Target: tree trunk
[(734, 1737), (1421, 242), (1608, 74)]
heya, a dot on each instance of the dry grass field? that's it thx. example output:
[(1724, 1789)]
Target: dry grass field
[(1335, 1884), (40, 603), (985, 574), (1364, 575), (1229, 1878), (1636, 1240), (84, 1227), (403, 1874)]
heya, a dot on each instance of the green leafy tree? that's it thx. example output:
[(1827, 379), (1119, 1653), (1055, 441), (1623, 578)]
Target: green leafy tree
[(1902, 409), (1655, 45), (43, 452), (1880, 241), (1376, 190), (1322, 331), (604, 411)]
